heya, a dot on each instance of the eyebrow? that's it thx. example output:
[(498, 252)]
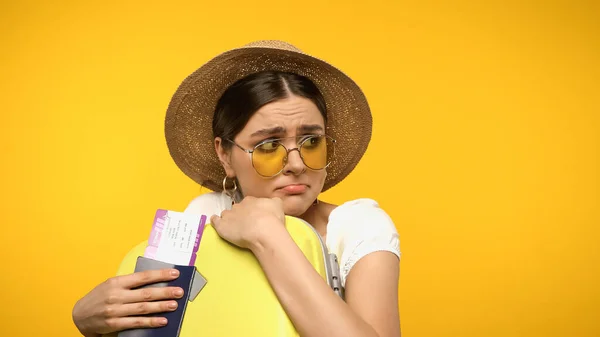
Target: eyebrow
[(269, 132), (310, 128), (280, 130)]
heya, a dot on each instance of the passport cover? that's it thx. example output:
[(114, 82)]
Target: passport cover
[(175, 318)]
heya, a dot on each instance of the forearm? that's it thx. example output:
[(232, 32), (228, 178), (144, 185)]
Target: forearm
[(312, 306)]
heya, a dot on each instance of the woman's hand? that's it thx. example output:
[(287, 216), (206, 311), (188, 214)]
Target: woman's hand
[(246, 223), (116, 305)]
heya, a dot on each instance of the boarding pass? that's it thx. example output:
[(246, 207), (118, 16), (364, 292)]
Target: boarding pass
[(175, 237)]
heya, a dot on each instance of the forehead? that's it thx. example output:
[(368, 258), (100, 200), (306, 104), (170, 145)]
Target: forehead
[(288, 115)]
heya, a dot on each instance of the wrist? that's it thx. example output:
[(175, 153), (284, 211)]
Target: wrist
[(77, 321), (267, 237), (91, 334), (85, 333)]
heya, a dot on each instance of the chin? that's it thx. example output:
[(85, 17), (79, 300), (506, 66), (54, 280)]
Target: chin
[(295, 205)]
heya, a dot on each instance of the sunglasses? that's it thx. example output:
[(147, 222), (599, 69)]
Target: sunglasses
[(269, 157)]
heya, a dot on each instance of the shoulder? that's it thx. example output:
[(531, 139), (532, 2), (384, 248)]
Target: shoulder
[(209, 203), (356, 229), (361, 217)]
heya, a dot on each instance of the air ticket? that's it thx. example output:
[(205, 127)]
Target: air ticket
[(175, 237)]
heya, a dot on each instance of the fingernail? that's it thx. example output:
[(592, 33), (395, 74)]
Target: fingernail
[(173, 305), (162, 321), (178, 292), (175, 272)]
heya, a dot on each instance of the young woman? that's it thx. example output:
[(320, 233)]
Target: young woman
[(268, 128)]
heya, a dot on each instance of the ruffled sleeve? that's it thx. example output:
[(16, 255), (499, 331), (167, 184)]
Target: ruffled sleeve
[(209, 204), (358, 228)]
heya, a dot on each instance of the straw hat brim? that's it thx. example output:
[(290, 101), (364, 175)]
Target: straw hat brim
[(188, 123)]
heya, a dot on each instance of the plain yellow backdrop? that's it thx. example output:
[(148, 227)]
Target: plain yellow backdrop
[(485, 147)]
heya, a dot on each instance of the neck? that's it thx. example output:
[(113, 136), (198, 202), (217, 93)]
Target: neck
[(318, 216)]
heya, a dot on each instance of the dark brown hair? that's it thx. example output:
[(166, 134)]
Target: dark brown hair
[(246, 96)]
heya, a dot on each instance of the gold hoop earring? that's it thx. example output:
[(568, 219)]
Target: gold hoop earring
[(229, 193)]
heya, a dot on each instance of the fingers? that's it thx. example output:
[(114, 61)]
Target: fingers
[(145, 277), (215, 220), (141, 308), (125, 323), (277, 201), (151, 294)]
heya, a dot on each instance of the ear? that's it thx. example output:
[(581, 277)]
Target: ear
[(224, 157)]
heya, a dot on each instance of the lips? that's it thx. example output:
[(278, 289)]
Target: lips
[(294, 188)]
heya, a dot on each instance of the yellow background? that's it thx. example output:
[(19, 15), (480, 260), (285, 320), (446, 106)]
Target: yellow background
[(485, 147)]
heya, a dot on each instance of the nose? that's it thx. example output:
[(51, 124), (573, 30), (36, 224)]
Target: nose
[(293, 163)]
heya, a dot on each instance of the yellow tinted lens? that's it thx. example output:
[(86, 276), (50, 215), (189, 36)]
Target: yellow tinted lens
[(314, 152), (267, 158)]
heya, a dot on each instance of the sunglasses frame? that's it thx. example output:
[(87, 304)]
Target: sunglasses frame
[(284, 161)]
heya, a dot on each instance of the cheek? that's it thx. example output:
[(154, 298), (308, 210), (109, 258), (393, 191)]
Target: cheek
[(249, 181), (318, 179), (240, 162)]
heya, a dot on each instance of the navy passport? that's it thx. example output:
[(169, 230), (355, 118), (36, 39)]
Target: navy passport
[(189, 280)]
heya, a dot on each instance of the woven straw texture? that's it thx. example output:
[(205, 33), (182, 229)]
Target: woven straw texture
[(188, 122)]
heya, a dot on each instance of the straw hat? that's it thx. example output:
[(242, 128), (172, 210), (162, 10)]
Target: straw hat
[(188, 123)]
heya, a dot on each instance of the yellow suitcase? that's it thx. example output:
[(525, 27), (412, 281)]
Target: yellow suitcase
[(237, 299)]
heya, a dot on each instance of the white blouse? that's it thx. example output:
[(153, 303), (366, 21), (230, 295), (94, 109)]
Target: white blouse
[(355, 228)]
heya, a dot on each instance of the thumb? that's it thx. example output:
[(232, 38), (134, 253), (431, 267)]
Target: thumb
[(215, 220)]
